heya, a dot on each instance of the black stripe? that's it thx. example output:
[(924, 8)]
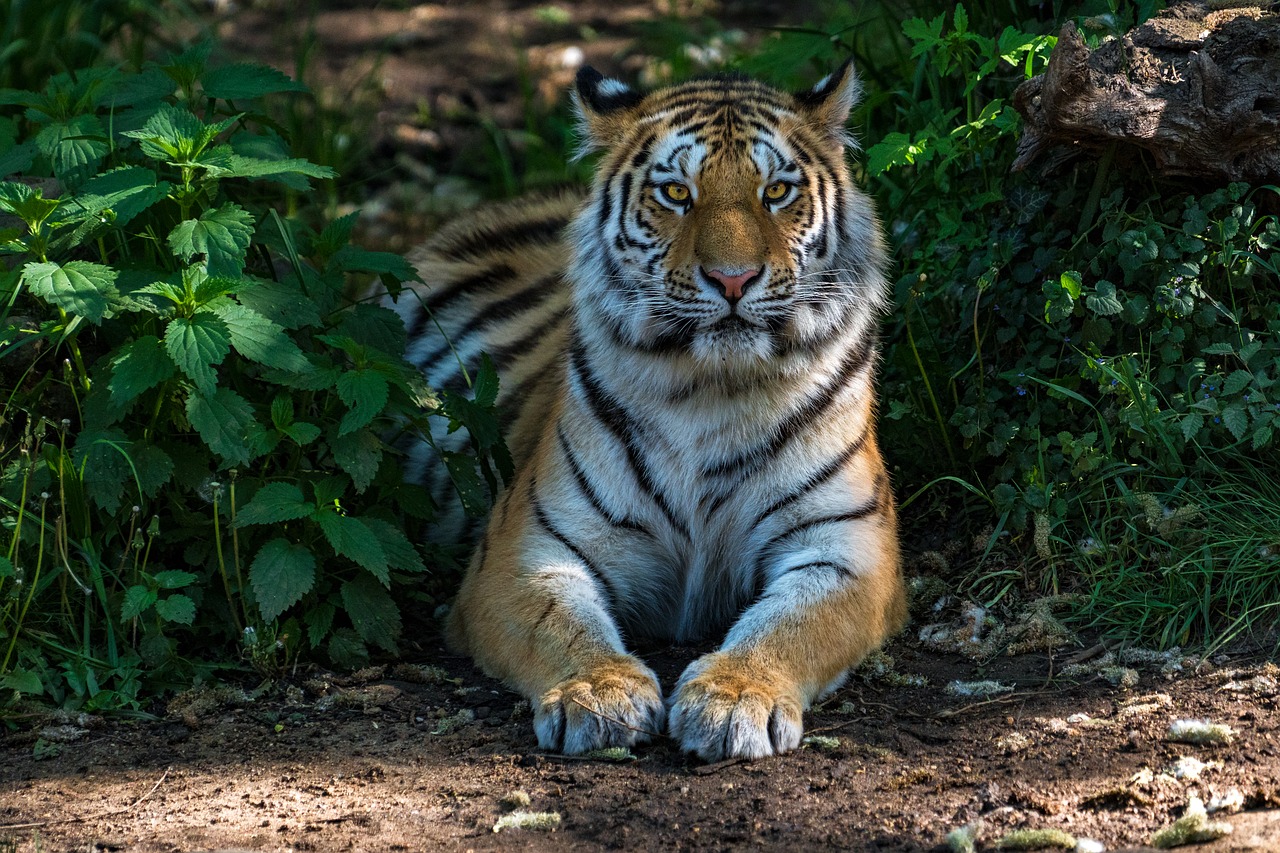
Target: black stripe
[(504, 309), (861, 512), (545, 521), (817, 478), (609, 412), (485, 239), (822, 564), (440, 298), (588, 490), (810, 411)]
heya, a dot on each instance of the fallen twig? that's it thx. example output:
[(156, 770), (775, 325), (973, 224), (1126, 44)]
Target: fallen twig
[(587, 707)]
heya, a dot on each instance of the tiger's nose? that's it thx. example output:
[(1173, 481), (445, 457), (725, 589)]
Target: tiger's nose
[(732, 284)]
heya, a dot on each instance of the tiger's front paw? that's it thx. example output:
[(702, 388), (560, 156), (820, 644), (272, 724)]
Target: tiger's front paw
[(616, 702), (724, 708)]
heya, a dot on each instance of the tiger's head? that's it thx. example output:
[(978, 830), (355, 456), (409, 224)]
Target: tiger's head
[(723, 223)]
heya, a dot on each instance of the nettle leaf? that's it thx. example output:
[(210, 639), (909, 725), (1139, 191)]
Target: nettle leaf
[(169, 135), (319, 620), (245, 80), (26, 203), (125, 192), (358, 453), (282, 302), (285, 171), (140, 366), (365, 391), (174, 579), (196, 344), (281, 574), (350, 538), (177, 608), (485, 389), (154, 468), (1190, 425), (400, 552), (1236, 419), (17, 159), (895, 149), (467, 483), (391, 268), (74, 147), (136, 601), (222, 235), (100, 455), (375, 326), (373, 611), (78, 287), (223, 421), (274, 503), (258, 339), (1262, 437), (1237, 382)]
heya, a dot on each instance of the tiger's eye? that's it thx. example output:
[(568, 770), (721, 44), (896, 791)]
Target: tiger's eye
[(676, 192), (776, 190)]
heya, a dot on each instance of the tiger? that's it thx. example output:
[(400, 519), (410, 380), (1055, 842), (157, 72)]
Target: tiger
[(687, 359)]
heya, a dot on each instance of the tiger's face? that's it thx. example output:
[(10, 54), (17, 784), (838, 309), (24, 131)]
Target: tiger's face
[(723, 222)]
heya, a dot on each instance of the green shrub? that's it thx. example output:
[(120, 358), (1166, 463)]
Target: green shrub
[(200, 407)]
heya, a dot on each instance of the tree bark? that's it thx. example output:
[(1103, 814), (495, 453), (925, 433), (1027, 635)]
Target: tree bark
[(1198, 87)]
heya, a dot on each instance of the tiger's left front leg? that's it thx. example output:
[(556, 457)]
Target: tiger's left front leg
[(823, 611), (534, 613)]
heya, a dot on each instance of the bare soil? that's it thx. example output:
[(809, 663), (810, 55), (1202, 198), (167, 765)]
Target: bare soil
[(406, 757), (415, 758)]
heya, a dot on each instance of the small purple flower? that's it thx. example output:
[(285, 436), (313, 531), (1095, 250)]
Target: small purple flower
[(1022, 392), (1217, 420)]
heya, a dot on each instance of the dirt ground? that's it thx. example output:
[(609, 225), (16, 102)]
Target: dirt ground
[(432, 755), (412, 757)]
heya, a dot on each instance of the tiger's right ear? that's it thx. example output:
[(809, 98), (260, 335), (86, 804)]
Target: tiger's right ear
[(604, 106)]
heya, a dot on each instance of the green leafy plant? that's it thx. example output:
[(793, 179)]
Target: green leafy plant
[(205, 399)]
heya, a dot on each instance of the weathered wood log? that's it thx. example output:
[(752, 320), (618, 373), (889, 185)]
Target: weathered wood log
[(1198, 87)]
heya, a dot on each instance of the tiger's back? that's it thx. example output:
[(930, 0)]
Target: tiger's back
[(687, 360)]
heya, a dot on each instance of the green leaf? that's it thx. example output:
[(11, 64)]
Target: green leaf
[(26, 203), (244, 80), (100, 455), (17, 159), (319, 620), (358, 453), (466, 481), (350, 538), (390, 267), (400, 552), (170, 135), (230, 165), (281, 574), (137, 599), (961, 19), (139, 366), (274, 503), (1071, 283), (1237, 382), (258, 339), (222, 235), (485, 389), (347, 650), (1190, 425), (196, 344), (894, 149), (154, 468), (74, 147), (1261, 437), (282, 302), (1103, 300), (78, 287), (123, 192), (282, 411), (374, 326), (223, 422), (1236, 420), (301, 432), (372, 610), (22, 681), (174, 579), (365, 391), (177, 608)]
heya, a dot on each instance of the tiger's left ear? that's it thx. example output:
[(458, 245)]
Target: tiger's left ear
[(604, 107), (828, 104)]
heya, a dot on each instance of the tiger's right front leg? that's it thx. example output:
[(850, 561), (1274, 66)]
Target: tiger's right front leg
[(532, 613)]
